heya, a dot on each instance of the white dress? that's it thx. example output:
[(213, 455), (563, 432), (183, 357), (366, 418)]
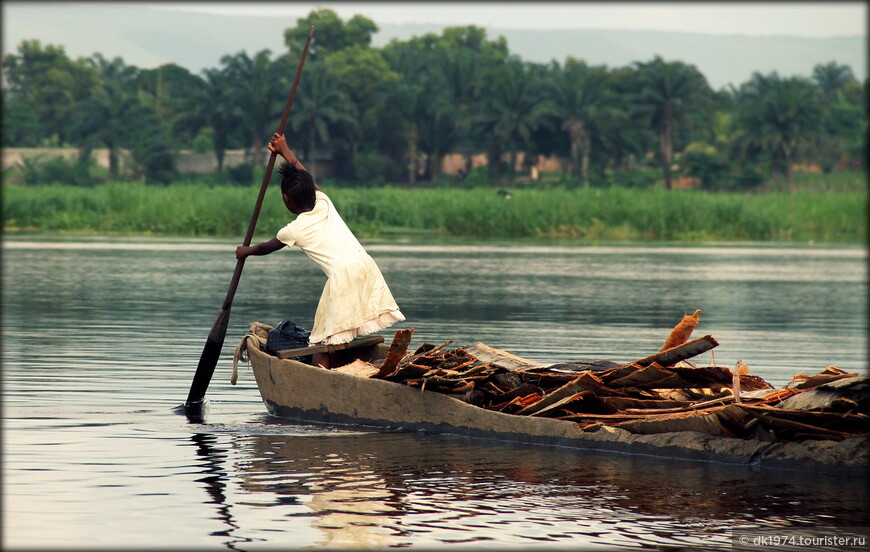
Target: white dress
[(355, 300)]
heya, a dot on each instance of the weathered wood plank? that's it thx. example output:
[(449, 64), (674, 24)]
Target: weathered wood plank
[(586, 381), (703, 421), (398, 349), (563, 402), (315, 349), (504, 359), (806, 430), (359, 368), (681, 352)]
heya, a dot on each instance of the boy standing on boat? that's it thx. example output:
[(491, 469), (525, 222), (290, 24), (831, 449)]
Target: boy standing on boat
[(355, 300)]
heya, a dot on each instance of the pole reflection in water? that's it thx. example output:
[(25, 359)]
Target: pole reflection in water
[(215, 481), (376, 490)]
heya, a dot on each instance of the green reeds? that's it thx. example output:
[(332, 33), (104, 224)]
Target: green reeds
[(606, 213)]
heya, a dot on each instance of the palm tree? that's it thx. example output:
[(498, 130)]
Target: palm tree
[(513, 108), (623, 136), (321, 110), (842, 114), (832, 77), (668, 93), (112, 114), (435, 128), (257, 86), (429, 98), (211, 105), (779, 117), (456, 80), (411, 108), (409, 98), (583, 100), (459, 58)]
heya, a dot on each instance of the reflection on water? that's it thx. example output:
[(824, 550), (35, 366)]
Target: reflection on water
[(100, 340), (215, 481), (394, 490)]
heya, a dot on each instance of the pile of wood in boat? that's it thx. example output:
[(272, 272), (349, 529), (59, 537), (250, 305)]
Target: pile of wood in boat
[(660, 393)]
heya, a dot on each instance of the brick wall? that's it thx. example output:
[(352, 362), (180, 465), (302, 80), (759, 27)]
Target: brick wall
[(187, 162)]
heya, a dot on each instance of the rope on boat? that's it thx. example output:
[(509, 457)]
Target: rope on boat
[(256, 335)]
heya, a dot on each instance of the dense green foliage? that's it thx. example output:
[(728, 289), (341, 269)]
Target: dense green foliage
[(411, 102), (387, 116), (609, 213)]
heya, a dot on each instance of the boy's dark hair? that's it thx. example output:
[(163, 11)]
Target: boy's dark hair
[(297, 184)]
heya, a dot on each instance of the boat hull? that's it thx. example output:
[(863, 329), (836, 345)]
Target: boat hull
[(298, 391)]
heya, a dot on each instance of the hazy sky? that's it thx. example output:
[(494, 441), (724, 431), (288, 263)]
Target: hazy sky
[(149, 34), (811, 19)]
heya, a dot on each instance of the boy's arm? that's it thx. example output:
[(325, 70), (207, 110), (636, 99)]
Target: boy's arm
[(263, 248), (278, 144)]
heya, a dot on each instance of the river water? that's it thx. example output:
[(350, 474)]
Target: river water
[(101, 337)]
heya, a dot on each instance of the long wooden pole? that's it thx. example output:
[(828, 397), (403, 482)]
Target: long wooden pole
[(213, 345)]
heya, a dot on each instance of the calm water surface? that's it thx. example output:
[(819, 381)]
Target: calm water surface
[(100, 340)]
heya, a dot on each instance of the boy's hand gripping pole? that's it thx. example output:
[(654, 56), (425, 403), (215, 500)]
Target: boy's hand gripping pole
[(212, 350)]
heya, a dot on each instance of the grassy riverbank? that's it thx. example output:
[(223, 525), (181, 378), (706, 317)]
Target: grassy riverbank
[(610, 213)]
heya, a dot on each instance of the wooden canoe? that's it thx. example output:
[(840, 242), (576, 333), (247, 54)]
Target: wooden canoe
[(296, 390)]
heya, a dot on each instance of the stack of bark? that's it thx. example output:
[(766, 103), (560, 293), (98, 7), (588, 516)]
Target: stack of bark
[(656, 394)]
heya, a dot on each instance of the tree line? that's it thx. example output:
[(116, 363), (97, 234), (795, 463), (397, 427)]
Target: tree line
[(393, 113)]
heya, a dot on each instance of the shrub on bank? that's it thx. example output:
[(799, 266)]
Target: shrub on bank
[(480, 212), (79, 171)]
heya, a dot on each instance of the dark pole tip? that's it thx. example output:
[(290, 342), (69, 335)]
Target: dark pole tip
[(194, 411)]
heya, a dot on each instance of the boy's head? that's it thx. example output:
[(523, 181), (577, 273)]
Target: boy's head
[(297, 188)]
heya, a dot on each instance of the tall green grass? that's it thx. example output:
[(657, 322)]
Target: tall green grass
[(609, 213)]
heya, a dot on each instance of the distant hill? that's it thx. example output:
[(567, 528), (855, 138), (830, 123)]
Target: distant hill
[(147, 38), (723, 59)]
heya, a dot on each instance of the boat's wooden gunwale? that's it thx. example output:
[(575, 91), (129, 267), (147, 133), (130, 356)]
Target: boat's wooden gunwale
[(294, 390)]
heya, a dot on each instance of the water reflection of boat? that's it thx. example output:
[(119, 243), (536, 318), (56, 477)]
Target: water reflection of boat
[(394, 490), (310, 476), (355, 395)]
